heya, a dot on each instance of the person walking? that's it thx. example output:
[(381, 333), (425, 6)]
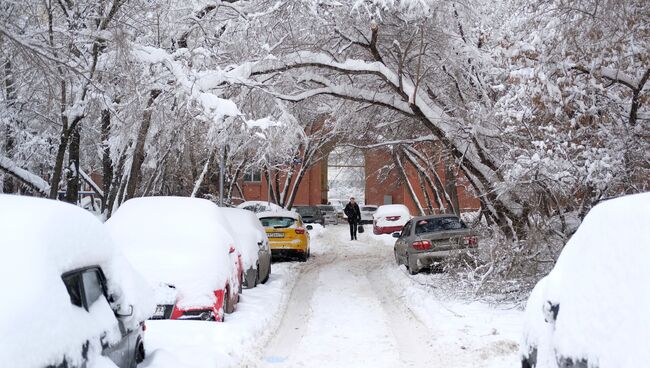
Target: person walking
[(354, 217)]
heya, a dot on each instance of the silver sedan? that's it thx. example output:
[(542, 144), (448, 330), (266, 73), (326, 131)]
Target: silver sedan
[(427, 240)]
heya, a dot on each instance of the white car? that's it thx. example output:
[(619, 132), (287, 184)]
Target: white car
[(259, 206), (367, 212), (70, 298), (180, 245), (390, 218), (591, 310), (251, 238)]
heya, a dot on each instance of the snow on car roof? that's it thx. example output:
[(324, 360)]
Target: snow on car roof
[(246, 228), (268, 205), (390, 209), (600, 284), (284, 213), (176, 240), (42, 239)]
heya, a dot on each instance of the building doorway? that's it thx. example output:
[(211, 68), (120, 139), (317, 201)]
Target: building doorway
[(346, 174)]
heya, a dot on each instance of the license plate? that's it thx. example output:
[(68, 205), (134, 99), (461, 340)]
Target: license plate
[(275, 235), (160, 311)]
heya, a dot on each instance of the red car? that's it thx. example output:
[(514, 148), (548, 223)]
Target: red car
[(179, 246), (390, 218)]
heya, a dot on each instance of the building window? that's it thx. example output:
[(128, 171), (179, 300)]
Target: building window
[(253, 176)]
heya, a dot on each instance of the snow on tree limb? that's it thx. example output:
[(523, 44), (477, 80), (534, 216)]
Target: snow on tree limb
[(29, 179)]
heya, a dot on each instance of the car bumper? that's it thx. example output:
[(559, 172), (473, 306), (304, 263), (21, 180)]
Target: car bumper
[(296, 245), (428, 259), (386, 229)]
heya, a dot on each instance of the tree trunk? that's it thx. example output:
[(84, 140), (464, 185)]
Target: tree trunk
[(8, 184), (138, 151), (450, 184), (107, 164), (72, 174)]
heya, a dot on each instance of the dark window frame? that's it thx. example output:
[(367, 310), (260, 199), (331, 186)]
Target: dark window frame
[(252, 176), (78, 273)]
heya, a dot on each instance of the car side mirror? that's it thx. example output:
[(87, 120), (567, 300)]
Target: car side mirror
[(309, 227), (124, 312), (397, 235)]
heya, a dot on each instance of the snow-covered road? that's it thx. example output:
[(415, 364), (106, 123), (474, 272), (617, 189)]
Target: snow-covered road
[(352, 307), (348, 306)]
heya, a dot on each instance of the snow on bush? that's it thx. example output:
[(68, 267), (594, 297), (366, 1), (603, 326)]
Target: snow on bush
[(42, 239), (600, 285), (388, 210), (248, 232), (177, 241)]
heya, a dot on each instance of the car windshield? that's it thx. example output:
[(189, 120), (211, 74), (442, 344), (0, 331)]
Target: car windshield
[(307, 211), (277, 222), (432, 225), (327, 208), (369, 209), (255, 208)]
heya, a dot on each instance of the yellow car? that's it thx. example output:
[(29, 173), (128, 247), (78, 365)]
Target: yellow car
[(287, 234)]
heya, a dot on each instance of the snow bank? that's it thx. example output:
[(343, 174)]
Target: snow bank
[(235, 342), (248, 232), (388, 210), (600, 284), (178, 241), (42, 239)]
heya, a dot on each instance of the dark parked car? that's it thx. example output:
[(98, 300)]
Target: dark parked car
[(427, 240), (330, 213), (311, 214)]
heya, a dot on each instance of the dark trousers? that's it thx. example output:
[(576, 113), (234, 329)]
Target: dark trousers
[(353, 230)]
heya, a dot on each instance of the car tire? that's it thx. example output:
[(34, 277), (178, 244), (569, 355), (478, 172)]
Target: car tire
[(268, 274), (396, 257), (412, 270), (228, 307), (257, 276), (139, 354), (240, 288)]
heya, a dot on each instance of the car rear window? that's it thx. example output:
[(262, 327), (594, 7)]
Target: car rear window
[(277, 222), (369, 209), (327, 208), (438, 224)]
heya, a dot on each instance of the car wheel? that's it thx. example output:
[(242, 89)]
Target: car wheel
[(240, 288), (228, 307), (396, 257), (268, 274), (412, 270), (257, 276), (139, 354)]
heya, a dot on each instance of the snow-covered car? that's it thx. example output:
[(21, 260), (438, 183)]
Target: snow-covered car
[(259, 206), (254, 244), (180, 246), (591, 310), (367, 211), (329, 213), (390, 218), (70, 298), (287, 234), (427, 240)]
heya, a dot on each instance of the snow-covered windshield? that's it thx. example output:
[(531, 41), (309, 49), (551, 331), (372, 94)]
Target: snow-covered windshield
[(438, 224), (277, 222)]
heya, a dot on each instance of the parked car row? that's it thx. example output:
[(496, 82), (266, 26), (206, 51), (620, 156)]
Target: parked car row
[(155, 258)]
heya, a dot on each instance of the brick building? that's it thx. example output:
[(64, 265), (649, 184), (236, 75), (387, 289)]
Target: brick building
[(381, 186)]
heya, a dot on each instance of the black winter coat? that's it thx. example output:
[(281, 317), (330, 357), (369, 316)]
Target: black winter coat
[(352, 212)]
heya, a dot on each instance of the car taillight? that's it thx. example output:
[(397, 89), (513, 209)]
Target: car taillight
[(421, 244), (393, 218), (470, 240), (300, 230)]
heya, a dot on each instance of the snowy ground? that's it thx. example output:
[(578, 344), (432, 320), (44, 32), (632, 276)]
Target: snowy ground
[(349, 306)]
